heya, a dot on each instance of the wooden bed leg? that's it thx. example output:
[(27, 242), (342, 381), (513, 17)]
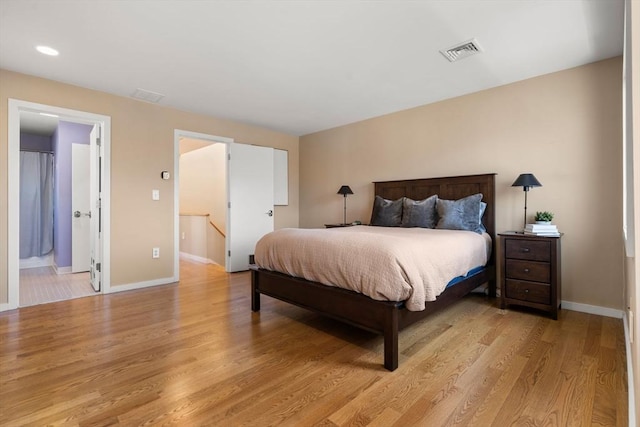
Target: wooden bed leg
[(391, 341), (255, 293)]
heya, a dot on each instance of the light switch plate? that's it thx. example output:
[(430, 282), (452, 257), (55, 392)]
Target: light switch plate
[(155, 194)]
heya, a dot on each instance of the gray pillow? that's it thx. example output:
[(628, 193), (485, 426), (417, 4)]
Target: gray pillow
[(420, 213), (387, 213), (461, 214)]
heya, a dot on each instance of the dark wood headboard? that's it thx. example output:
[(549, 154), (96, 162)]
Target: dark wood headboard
[(451, 188)]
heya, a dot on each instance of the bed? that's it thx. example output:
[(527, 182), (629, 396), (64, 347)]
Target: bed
[(387, 317)]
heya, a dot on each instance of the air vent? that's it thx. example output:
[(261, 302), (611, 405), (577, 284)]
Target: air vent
[(147, 95), (462, 50)]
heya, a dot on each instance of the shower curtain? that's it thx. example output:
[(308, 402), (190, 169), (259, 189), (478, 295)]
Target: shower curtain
[(36, 204)]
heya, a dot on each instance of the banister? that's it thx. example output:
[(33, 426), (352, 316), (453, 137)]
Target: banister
[(217, 229)]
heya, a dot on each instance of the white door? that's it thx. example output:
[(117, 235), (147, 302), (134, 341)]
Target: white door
[(80, 208), (250, 211), (95, 197)]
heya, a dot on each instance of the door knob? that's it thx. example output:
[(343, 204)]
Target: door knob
[(270, 212), (78, 214)]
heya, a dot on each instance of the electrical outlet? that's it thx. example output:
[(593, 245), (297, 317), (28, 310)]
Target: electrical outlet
[(155, 253)]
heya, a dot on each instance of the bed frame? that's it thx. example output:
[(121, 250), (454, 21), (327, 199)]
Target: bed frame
[(383, 317)]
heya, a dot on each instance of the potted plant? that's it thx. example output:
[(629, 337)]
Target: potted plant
[(544, 217)]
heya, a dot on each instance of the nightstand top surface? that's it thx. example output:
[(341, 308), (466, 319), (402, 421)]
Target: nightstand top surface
[(527, 236)]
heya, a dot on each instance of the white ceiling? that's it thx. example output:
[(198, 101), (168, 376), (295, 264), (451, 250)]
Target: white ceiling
[(37, 124), (303, 66)]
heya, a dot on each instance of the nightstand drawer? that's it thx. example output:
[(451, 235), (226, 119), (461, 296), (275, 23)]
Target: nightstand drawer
[(528, 249), (528, 270), (527, 291)]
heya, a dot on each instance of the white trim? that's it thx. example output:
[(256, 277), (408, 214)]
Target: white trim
[(631, 394), (177, 134), (195, 258), (141, 285), (105, 267), (13, 157), (7, 307), (13, 195), (592, 309), (37, 261), (62, 270)]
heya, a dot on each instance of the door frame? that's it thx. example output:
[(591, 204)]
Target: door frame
[(177, 134), (17, 106)]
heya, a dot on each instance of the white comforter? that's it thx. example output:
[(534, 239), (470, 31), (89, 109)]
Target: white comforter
[(385, 263)]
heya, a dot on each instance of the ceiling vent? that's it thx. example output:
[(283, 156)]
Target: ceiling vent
[(147, 95), (462, 50)]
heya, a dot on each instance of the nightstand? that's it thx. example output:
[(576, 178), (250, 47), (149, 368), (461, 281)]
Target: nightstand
[(530, 268)]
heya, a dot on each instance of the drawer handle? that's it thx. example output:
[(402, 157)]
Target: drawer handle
[(526, 291), (525, 250), (526, 270)]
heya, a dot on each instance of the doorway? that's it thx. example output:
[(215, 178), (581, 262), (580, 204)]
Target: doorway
[(249, 203), (206, 214), (99, 182), (203, 201)]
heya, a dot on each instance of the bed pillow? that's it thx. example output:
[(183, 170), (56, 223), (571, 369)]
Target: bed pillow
[(387, 213), (420, 213), (461, 214), (483, 207)]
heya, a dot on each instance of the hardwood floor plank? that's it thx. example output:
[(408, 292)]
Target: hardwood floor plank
[(549, 403), (605, 406), (423, 370), (500, 392), (514, 407), (594, 334), (194, 354)]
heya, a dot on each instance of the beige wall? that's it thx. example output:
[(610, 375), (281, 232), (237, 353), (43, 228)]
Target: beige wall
[(563, 127), (142, 144), (193, 235)]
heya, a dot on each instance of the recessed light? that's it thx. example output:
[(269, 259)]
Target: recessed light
[(47, 50)]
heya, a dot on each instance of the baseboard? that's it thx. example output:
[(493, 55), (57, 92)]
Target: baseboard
[(630, 383), (592, 309), (141, 285), (195, 258), (62, 270), (36, 262), (7, 307)]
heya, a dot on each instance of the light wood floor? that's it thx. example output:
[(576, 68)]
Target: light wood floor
[(194, 354), (42, 285)]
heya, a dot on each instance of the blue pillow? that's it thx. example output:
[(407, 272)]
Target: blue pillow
[(461, 214), (483, 207), (420, 213), (387, 213)]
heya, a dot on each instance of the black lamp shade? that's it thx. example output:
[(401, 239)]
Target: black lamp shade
[(344, 190), (526, 181)]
